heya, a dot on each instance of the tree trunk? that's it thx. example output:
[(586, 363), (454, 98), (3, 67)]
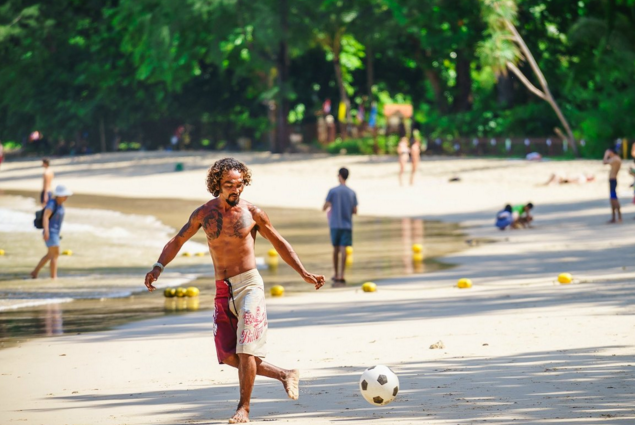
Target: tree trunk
[(463, 99), (546, 93), (370, 74), (340, 82), (437, 88), (505, 90)]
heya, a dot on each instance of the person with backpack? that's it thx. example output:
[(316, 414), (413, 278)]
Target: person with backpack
[(52, 217)]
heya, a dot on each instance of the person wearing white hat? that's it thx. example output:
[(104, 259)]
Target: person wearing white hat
[(52, 224)]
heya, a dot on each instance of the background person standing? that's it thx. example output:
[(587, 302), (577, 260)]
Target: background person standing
[(47, 182), (341, 204), (52, 224), (613, 159)]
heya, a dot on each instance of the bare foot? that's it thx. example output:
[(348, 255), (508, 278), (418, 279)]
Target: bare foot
[(33, 275), (292, 384), (240, 417)]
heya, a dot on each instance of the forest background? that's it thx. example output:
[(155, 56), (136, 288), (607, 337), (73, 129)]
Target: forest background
[(116, 74)]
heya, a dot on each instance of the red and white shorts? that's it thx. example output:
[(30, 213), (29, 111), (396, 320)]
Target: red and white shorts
[(240, 316)]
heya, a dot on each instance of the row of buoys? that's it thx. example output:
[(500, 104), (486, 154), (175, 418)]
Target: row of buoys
[(180, 292), (68, 252), (196, 254), (2, 252), (563, 278)]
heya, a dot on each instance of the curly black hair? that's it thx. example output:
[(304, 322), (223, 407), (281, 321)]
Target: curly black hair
[(216, 171)]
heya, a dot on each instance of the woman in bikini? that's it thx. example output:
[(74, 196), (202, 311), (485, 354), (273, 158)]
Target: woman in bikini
[(404, 152)]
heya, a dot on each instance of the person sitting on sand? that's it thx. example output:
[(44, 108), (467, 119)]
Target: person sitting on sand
[(521, 215), (504, 218), (563, 178)]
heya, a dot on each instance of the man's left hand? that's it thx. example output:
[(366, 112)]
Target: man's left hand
[(314, 279)]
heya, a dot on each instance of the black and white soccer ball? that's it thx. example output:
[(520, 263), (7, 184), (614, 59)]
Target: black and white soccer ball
[(379, 385)]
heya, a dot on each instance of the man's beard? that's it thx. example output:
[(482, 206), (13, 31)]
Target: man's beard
[(234, 202)]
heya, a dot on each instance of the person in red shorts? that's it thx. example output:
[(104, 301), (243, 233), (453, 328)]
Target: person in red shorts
[(240, 316)]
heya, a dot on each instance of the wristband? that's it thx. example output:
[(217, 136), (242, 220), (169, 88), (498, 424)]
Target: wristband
[(159, 265)]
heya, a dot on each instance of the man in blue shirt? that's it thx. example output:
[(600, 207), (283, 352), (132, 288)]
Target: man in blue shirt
[(341, 204), (52, 224)]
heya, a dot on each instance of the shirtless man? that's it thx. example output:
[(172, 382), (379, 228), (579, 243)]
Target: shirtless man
[(240, 318), (47, 181), (613, 159)]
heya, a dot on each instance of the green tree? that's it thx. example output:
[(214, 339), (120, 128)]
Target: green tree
[(506, 47)]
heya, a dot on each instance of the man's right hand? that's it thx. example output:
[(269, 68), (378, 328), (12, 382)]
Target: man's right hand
[(46, 236), (152, 277)]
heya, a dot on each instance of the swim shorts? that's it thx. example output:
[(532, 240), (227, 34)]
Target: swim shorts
[(50, 196), (342, 237), (54, 240), (240, 316), (613, 188)]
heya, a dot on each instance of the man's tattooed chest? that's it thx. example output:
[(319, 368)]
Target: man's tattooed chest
[(233, 225)]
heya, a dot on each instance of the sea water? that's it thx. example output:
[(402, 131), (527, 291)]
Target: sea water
[(115, 241), (110, 253)]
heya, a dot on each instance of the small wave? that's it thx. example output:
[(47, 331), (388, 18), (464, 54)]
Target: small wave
[(14, 304)]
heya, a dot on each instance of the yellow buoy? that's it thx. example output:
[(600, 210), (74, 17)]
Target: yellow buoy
[(464, 283), (200, 254), (181, 292), (67, 252), (349, 250), (417, 248), (417, 257), (2, 252), (192, 291), (277, 290), (369, 287), (349, 260), (169, 292), (565, 278), (187, 254), (272, 259)]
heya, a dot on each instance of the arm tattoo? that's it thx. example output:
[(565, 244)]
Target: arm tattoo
[(188, 225), (185, 228), (213, 224)]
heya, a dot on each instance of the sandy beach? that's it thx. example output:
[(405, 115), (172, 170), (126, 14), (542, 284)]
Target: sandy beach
[(518, 346)]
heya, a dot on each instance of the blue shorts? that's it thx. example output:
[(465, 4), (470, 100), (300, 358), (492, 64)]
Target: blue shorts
[(503, 223), (613, 188), (54, 240), (342, 237)]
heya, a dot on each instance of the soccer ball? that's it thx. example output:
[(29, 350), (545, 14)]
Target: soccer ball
[(379, 385)]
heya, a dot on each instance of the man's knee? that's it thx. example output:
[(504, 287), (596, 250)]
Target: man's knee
[(231, 360)]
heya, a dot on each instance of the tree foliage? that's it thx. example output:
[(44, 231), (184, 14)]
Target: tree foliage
[(91, 72)]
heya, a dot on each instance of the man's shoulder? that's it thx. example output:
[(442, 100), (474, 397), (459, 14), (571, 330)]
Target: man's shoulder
[(342, 188)]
